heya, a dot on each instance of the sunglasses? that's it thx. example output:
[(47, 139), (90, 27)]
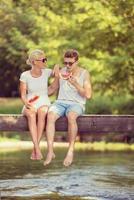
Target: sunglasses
[(69, 63), (43, 60)]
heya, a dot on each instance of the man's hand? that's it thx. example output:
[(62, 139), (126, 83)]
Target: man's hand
[(85, 90), (73, 80)]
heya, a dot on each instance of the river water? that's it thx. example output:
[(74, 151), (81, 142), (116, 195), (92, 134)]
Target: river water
[(93, 176)]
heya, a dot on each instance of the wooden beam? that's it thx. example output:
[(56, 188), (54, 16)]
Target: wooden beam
[(86, 124)]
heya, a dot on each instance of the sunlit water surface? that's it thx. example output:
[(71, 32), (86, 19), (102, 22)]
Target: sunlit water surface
[(93, 176)]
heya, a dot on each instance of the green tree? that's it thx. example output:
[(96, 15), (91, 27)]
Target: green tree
[(101, 30)]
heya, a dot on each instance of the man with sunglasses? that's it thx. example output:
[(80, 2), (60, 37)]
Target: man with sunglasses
[(73, 92)]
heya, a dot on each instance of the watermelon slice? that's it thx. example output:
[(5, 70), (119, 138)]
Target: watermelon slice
[(65, 75), (33, 99)]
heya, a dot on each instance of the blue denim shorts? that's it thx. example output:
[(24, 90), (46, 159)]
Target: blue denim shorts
[(62, 109)]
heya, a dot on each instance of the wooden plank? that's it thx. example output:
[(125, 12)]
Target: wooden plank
[(86, 124)]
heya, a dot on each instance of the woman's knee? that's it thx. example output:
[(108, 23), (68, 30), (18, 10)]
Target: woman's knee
[(42, 114), (30, 114), (43, 110)]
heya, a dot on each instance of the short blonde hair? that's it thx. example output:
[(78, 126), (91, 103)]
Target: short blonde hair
[(33, 55)]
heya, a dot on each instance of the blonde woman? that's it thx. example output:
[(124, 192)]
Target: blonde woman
[(34, 94)]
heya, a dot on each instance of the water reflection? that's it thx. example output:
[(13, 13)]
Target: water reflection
[(94, 176)]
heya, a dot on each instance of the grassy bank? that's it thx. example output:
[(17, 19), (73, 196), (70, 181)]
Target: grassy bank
[(10, 105), (99, 104), (7, 144)]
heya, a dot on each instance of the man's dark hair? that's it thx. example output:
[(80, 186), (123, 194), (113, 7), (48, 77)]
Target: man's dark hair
[(72, 53)]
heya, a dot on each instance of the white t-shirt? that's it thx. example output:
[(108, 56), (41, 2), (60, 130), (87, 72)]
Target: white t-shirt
[(37, 86)]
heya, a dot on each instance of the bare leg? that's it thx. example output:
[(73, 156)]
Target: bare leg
[(41, 124), (31, 116), (50, 132), (72, 133)]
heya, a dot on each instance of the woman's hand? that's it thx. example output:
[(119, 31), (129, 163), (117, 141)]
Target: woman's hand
[(29, 105), (56, 70)]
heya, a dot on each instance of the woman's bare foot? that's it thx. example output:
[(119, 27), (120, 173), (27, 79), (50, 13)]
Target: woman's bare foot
[(49, 157), (33, 155), (68, 159), (38, 155)]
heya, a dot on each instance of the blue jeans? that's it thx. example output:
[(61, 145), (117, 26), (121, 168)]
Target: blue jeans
[(62, 109)]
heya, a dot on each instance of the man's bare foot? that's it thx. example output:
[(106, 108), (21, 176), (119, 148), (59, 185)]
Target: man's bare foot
[(49, 158), (68, 159)]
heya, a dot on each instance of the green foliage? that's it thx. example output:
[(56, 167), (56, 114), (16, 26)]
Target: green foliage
[(127, 107), (110, 105), (99, 105), (102, 31)]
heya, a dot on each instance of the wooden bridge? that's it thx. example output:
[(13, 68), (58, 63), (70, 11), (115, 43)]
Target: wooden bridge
[(87, 124)]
